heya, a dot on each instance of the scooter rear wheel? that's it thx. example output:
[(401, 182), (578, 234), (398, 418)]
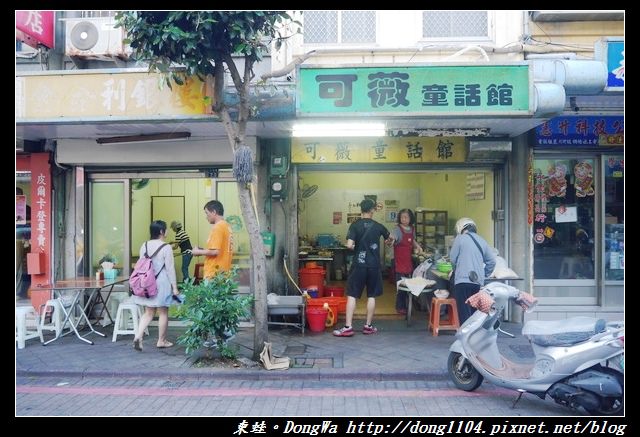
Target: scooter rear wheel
[(465, 377)]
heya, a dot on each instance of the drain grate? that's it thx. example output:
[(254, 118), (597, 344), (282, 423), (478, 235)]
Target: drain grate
[(295, 350), (318, 361)]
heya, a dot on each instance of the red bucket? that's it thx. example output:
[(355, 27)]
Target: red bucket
[(316, 318), (319, 303), (332, 291), (312, 277)]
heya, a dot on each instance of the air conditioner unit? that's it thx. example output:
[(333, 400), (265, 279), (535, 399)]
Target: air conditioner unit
[(94, 37)]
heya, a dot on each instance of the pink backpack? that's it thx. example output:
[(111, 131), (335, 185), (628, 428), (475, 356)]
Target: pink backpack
[(143, 279)]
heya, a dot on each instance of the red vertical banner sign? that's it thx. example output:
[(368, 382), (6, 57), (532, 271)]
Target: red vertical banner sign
[(39, 260), (36, 27)]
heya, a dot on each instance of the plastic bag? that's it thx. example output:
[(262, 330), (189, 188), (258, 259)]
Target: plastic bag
[(422, 269)]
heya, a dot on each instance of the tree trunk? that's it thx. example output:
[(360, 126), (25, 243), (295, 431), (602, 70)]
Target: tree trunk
[(259, 270)]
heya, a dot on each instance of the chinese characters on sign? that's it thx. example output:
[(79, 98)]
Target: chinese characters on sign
[(41, 213), (475, 186), (376, 150), (35, 27), (105, 95), (588, 130), (447, 90)]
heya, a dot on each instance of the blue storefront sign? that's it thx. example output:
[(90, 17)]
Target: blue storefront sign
[(580, 131)]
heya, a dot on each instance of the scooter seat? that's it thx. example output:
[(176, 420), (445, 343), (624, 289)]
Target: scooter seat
[(563, 332)]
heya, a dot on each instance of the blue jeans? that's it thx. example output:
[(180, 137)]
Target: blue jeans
[(186, 260)]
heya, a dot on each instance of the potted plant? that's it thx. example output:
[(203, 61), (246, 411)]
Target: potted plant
[(213, 309)]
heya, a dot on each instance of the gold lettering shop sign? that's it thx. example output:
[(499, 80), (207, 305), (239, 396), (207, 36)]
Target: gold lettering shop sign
[(405, 150)]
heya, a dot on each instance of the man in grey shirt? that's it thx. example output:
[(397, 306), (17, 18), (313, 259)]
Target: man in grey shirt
[(473, 260)]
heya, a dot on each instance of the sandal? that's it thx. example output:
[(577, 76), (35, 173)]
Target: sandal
[(137, 344), (165, 344)]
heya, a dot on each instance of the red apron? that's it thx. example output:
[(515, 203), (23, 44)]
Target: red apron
[(402, 252)]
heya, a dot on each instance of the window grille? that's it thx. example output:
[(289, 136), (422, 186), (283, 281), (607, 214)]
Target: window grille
[(331, 27), (455, 24), (95, 14)]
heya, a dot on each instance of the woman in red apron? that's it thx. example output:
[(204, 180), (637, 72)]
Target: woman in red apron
[(405, 242)]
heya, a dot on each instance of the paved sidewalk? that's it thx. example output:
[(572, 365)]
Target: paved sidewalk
[(396, 352)]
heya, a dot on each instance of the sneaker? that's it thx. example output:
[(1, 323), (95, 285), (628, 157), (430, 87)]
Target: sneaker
[(369, 329), (343, 332), (401, 311)]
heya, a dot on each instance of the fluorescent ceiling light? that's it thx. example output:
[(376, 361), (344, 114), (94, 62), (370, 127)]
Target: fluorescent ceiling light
[(339, 129), (165, 136)]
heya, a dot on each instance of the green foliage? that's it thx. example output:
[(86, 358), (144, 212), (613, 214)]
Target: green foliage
[(212, 308), (197, 40), (107, 258)]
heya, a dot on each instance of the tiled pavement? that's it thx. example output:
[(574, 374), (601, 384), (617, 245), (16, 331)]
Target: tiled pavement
[(396, 352)]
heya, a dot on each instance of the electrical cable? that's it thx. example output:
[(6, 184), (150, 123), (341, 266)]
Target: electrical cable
[(253, 203), (284, 262)]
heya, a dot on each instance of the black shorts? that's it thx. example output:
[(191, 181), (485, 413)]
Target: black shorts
[(361, 276)]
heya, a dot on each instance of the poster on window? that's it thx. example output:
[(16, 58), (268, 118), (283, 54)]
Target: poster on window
[(566, 214), (21, 209), (475, 186)]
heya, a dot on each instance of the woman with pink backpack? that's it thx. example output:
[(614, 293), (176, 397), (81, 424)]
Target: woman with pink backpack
[(166, 285)]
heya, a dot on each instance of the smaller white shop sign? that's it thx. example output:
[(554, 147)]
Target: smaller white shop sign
[(475, 186)]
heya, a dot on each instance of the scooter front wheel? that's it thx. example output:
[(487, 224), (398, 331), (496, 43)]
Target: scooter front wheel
[(462, 373)]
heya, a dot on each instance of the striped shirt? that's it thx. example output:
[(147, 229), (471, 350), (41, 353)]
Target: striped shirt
[(182, 238)]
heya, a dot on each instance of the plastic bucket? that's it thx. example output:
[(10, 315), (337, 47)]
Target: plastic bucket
[(332, 291), (319, 304), (338, 301), (316, 318), (312, 277)]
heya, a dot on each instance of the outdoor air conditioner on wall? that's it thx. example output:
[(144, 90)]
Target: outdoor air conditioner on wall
[(94, 37)]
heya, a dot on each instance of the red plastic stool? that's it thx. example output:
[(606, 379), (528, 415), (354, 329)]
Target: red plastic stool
[(450, 322)]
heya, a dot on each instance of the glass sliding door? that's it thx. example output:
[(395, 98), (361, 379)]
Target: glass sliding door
[(564, 230), (109, 233)]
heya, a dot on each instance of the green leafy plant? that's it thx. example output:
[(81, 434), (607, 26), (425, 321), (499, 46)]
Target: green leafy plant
[(107, 258), (212, 309)]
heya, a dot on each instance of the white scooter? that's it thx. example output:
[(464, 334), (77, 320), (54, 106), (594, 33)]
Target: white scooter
[(579, 362)]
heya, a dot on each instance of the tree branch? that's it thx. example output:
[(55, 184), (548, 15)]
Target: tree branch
[(289, 67), (233, 69)]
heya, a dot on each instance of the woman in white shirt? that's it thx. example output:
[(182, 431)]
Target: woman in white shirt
[(166, 282)]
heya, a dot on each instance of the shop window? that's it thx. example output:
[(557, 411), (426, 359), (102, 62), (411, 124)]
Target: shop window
[(107, 225), (347, 27), (455, 24), (563, 214), (614, 218)]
